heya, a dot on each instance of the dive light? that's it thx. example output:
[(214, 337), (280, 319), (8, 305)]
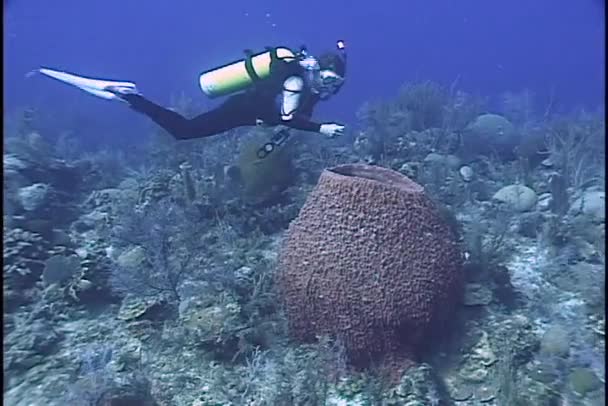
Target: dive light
[(342, 48)]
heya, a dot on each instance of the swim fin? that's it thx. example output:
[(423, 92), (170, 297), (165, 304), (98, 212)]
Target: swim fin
[(106, 89)]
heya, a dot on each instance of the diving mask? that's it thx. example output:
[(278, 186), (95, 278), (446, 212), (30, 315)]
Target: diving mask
[(323, 82), (328, 83)]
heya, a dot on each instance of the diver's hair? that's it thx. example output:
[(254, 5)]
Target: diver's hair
[(334, 62)]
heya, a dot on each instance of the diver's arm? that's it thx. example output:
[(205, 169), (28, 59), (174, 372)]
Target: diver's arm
[(302, 123), (291, 111)]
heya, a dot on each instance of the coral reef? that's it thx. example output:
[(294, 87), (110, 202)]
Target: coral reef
[(171, 276)]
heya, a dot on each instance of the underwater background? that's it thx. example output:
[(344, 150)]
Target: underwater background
[(449, 249)]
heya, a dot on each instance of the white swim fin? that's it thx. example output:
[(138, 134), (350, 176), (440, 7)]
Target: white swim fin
[(106, 89)]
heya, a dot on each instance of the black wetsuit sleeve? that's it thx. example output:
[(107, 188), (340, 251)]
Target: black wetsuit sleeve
[(302, 122)]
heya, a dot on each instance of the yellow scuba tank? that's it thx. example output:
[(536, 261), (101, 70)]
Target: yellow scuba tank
[(239, 75)]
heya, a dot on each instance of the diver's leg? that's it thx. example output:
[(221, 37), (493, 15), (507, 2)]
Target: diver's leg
[(234, 112)]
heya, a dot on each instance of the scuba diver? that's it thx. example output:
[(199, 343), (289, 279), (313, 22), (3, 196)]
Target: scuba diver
[(271, 88)]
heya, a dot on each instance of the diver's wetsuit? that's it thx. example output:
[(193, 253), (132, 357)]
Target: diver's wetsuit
[(262, 102)]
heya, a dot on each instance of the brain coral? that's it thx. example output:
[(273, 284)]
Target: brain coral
[(369, 260)]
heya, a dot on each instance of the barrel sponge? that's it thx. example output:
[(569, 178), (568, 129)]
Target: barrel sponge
[(370, 261)]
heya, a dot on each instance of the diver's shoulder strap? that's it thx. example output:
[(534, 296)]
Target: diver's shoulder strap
[(273, 53), (249, 66), (274, 58), (282, 66)]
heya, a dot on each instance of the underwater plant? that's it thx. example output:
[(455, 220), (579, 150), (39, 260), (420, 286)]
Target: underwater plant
[(576, 148), (424, 103), (161, 242), (98, 383)]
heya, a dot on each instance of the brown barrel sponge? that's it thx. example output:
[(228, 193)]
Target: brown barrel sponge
[(369, 260)]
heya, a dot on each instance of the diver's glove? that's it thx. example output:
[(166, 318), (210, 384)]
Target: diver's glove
[(332, 130)]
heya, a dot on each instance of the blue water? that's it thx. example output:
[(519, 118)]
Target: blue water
[(553, 47)]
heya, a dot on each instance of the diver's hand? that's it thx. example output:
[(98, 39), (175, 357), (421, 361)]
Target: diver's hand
[(332, 130)]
